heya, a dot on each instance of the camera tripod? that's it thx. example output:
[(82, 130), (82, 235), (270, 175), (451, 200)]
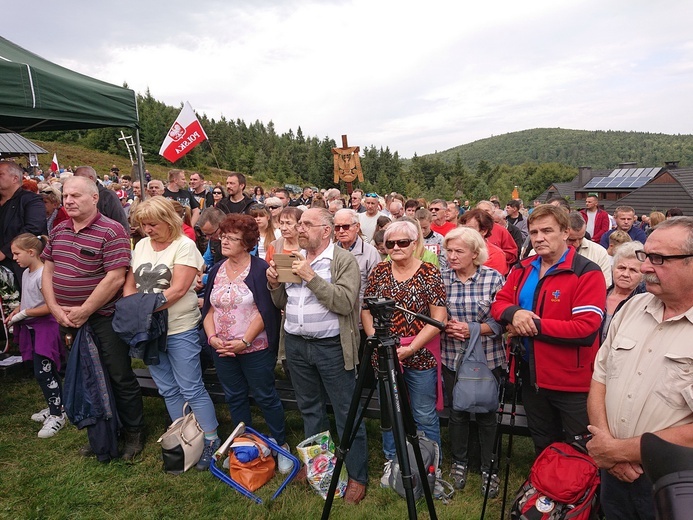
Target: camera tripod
[(395, 408)]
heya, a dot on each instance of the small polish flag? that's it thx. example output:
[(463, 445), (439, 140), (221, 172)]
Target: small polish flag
[(54, 164), (185, 134)]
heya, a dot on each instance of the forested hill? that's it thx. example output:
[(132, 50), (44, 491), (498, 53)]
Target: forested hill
[(598, 149)]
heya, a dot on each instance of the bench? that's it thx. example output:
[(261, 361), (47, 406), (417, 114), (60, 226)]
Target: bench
[(288, 399)]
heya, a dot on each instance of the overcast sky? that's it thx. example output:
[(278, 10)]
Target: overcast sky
[(415, 76)]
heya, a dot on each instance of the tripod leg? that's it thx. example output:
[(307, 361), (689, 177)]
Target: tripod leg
[(403, 428), (497, 446), (351, 425)]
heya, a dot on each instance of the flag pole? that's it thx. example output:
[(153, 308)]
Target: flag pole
[(209, 141)]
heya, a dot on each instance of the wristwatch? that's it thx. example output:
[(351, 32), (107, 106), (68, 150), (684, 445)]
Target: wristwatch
[(246, 343)]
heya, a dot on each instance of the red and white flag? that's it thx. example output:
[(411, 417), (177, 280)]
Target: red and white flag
[(54, 164), (185, 134)]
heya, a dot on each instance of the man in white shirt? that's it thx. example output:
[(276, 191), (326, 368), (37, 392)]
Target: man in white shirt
[(369, 219)]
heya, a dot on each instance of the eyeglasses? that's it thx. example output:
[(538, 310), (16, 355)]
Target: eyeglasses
[(345, 227), (274, 207), (217, 193), (372, 195), (308, 225), (657, 259), (210, 235), (433, 210), (227, 238), (390, 244)]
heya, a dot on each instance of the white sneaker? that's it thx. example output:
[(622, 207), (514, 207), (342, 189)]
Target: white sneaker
[(41, 416), (284, 464), (387, 471), (53, 424)]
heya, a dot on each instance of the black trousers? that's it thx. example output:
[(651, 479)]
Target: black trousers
[(553, 415)]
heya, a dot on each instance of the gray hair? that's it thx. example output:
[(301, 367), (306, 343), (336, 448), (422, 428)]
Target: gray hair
[(575, 221), (402, 226), (89, 185), (13, 169), (472, 239), (86, 171), (212, 216), (682, 222), (353, 216), (626, 251)]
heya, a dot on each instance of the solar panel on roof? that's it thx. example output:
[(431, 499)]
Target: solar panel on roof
[(624, 178)]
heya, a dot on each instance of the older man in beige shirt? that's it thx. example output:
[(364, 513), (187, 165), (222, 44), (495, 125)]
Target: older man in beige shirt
[(643, 376)]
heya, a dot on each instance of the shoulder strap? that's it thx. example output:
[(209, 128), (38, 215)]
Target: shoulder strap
[(474, 350)]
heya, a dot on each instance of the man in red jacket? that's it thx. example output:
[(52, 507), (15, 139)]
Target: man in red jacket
[(554, 302), (597, 219)]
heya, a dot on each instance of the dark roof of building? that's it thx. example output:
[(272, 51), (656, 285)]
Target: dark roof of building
[(668, 189), (13, 145)]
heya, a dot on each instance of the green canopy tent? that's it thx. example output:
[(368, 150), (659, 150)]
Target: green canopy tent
[(38, 95)]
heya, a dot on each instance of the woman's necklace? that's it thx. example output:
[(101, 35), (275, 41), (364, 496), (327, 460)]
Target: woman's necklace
[(159, 249), (237, 266)]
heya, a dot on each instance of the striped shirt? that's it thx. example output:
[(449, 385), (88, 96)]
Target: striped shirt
[(82, 259), (471, 301), (305, 315)]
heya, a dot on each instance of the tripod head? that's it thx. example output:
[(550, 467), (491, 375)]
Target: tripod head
[(382, 310)]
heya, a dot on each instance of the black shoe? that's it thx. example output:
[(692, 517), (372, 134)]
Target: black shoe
[(86, 451), (133, 444)]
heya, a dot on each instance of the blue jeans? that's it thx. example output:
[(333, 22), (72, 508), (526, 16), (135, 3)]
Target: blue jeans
[(317, 370), (627, 501), (422, 395), (252, 375), (178, 376)]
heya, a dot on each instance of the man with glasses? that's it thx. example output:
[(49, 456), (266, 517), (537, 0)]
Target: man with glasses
[(643, 374), (369, 218), (356, 198), (208, 225), (346, 228), (319, 331), (440, 224)]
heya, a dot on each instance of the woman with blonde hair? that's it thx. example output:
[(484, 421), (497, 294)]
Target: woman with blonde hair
[(417, 286), (263, 218), (656, 217), (167, 262)]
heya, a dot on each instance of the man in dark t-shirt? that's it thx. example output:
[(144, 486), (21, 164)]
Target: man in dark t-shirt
[(237, 201), (176, 190)]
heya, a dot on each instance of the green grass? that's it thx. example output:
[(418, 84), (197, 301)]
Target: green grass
[(47, 479)]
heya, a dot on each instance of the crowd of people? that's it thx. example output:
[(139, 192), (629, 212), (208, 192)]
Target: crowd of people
[(592, 308)]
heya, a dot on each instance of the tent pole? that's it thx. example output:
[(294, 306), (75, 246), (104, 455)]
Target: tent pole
[(140, 166)]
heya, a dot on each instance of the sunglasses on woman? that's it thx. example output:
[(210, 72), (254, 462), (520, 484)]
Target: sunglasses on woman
[(390, 244), (217, 193)]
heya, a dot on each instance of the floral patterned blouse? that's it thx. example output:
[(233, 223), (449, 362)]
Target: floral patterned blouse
[(424, 288), (235, 309)]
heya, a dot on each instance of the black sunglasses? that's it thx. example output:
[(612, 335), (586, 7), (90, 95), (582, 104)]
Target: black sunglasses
[(217, 193), (390, 244), (345, 227), (274, 207)]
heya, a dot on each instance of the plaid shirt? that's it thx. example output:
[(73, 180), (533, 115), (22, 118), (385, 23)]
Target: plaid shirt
[(471, 301)]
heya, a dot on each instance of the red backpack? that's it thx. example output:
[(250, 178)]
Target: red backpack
[(562, 484)]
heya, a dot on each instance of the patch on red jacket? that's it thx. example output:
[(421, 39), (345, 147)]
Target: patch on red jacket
[(556, 296)]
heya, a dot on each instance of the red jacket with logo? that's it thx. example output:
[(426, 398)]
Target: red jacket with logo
[(601, 223), (570, 301)]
